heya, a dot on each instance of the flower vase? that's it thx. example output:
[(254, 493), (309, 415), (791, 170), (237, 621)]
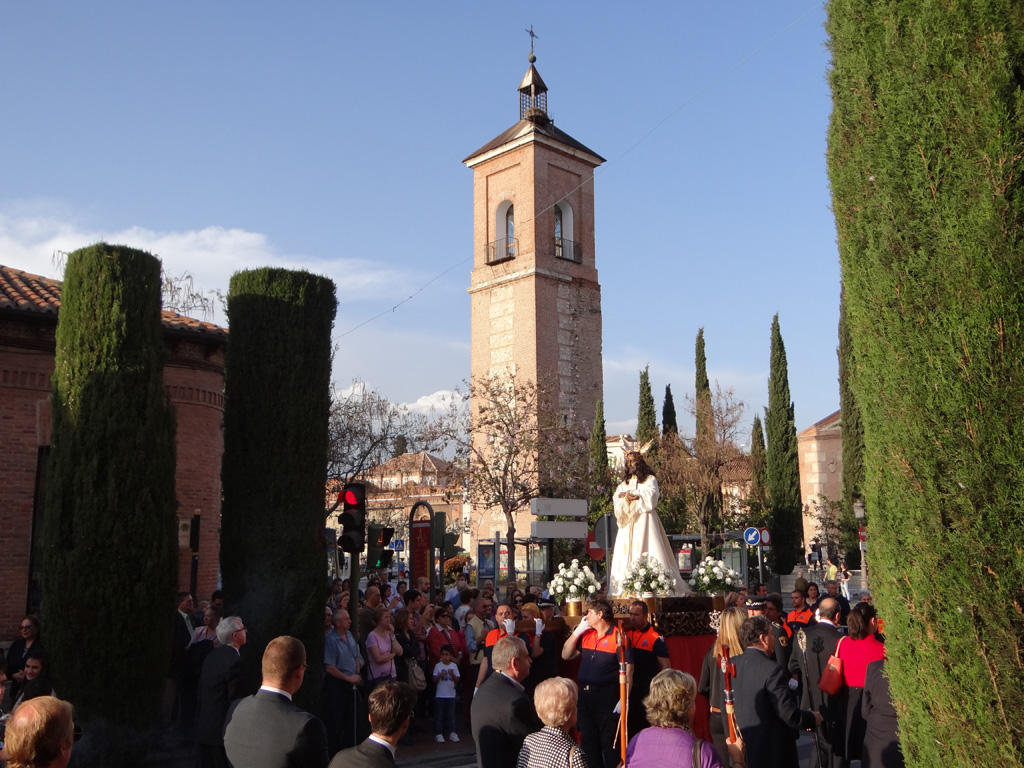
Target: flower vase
[(718, 602), (651, 601), (574, 607)]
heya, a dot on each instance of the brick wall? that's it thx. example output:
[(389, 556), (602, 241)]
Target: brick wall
[(194, 377)]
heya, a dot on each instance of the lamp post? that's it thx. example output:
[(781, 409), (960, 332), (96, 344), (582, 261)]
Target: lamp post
[(859, 513)]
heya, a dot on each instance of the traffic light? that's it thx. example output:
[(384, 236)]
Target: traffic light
[(353, 518), (378, 556)]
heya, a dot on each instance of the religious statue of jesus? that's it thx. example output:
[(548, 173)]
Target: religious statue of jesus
[(640, 528)]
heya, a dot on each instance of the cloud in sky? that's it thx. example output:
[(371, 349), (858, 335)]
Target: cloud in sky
[(34, 234)]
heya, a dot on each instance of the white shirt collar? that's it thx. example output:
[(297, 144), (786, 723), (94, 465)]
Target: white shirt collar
[(378, 740), (276, 690), (512, 680)]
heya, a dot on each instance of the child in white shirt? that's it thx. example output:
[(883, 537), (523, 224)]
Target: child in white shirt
[(446, 677)]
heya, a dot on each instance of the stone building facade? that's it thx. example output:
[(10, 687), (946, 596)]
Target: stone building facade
[(194, 379), (820, 451), (535, 297)]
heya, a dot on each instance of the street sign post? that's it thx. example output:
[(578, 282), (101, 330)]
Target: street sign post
[(752, 536), (595, 551)]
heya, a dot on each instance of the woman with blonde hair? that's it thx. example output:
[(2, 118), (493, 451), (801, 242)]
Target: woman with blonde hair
[(555, 702), (669, 740), (712, 683)]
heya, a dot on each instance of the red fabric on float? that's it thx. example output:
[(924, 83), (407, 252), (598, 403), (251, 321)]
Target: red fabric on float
[(687, 655)]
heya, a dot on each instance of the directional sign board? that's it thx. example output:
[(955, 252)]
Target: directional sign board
[(397, 544), (752, 536)]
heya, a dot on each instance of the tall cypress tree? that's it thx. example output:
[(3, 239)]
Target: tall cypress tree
[(853, 444), (758, 467), (275, 458), (647, 420), (669, 424), (783, 463), (925, 148), (600, 473), (109, 528), (708, 491)]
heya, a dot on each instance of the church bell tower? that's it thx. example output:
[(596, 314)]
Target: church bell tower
[(535, 297)]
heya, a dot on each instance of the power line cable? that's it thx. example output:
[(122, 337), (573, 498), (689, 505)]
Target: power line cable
[(711, 84)]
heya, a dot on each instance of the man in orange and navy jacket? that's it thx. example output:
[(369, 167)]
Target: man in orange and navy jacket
[(650, 656)]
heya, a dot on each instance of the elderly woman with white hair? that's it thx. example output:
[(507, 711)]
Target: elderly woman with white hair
[(555, 702)]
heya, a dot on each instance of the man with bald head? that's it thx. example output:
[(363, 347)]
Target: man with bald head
[(40, 734), (812, 647)]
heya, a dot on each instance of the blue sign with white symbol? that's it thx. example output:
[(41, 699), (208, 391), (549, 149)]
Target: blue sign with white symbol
[(397, 544), (752, 536)]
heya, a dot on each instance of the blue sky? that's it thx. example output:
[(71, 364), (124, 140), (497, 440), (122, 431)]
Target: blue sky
[(329, 135)]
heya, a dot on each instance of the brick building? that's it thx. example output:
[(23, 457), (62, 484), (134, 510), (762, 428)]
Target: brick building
[(194, 379), (535, 298), (820, 450)]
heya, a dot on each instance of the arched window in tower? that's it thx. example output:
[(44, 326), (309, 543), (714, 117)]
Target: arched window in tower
[(558, 232), (565, 247), (504, 245), (510, 232)]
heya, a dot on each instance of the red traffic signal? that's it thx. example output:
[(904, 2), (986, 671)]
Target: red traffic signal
[(353, 518)]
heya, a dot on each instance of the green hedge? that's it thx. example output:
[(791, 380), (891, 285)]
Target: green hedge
[(109, 529), (925, 161), (273, 556)]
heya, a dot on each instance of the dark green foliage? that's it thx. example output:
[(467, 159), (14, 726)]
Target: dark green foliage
[(758, 501), (401, 446), (783, 463), (647, 421), (109, 531), (701, 381), (600, 473), (669, 425), (706, 485), (925, 162), (853, 444), (275, 457)]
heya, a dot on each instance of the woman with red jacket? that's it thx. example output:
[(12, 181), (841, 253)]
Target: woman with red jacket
[(442, 634), (857, 651)]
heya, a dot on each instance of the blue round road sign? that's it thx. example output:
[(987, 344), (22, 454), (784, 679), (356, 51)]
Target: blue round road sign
[(752, 536)]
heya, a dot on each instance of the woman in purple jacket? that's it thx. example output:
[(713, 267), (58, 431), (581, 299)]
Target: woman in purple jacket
[(669, 740)]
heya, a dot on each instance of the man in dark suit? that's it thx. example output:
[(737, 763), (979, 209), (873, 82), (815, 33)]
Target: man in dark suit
[(767, 711), (391, 706), (177, 712), (502, 714), (220, 683), (814, 644), (267, 730)]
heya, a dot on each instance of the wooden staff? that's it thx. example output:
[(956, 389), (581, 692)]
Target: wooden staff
[(729, 672), (621, 643)]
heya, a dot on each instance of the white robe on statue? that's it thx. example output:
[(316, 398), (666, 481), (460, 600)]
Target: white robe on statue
[(640, 531)]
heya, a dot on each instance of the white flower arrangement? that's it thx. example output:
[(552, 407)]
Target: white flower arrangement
[(647, 575), (574, 582), (713, 576)]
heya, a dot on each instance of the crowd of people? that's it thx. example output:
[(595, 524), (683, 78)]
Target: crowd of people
[(463, 662), (777, 665)]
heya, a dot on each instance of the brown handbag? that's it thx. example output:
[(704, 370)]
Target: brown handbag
[(831, 680)]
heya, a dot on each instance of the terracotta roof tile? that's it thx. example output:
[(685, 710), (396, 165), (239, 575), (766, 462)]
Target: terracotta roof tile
[(37, 295)]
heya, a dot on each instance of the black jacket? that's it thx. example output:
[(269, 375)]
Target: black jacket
[(220, 683), (503, 716), (767, 711), (268, 731)]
